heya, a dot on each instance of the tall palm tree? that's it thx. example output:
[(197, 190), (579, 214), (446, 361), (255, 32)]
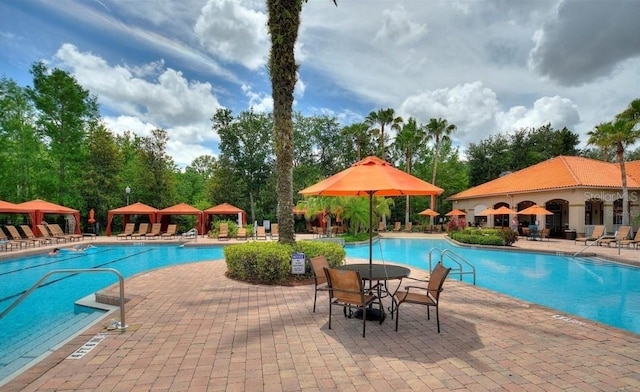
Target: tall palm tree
[(283, 23), (383, 117), (620, 133), (408, 140), (357, 133), (438, 130)]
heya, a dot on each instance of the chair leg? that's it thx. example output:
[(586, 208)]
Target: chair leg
[(364, 320), (437, 318), (315, 297), (330, 306), (397, 315)]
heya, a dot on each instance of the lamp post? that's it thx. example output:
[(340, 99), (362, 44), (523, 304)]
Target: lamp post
[(127, 190)]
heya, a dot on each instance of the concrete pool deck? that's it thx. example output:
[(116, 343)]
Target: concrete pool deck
[(193, 329)]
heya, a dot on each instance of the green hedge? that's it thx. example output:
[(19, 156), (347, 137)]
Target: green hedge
[(270, 262), (496, 237)]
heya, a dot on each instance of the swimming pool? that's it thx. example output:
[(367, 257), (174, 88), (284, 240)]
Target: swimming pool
[(48, 316), (591, 288)]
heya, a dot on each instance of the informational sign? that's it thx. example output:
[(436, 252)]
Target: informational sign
[(297, 263)]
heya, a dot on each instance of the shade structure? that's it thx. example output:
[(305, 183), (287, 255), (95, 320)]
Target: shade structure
[(504, 211), (535, 210), (429, 212), (456, 212), (41, 207), (133, 209), (487, 212), (370, 177), (225, 209), (183, 209), (10, 208)]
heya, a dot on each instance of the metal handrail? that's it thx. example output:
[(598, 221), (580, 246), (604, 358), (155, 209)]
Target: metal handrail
[(122, 326), (456, 258)]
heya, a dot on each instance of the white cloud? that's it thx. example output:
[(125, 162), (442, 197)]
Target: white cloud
[(559, 112), (233, 32)]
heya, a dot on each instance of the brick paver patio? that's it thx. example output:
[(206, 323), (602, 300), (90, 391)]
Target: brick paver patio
[(193, 329)]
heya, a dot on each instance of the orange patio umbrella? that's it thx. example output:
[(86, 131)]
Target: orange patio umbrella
[(456, 212), (535, 210), (429, 212), (504, 211), (487, 212), (371, 177)]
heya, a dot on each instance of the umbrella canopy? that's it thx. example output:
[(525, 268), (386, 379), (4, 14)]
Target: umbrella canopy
[(504, 211), (456, 212), (6, 207), (535, 210), (183, 209), (370, 177), (487, 212), (428, 212), (42, 207), (133, 209)]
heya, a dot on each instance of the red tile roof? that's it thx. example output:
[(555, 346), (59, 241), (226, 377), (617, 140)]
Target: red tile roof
[(557, 173)]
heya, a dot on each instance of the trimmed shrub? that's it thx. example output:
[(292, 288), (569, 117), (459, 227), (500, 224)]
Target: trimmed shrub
[(270, 262), (496, 237)]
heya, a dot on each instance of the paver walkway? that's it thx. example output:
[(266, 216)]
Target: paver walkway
[(193, 329)]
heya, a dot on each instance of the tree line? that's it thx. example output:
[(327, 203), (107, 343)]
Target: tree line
[(54, 146)]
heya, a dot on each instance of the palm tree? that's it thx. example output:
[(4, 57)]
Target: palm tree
[(357, 133), (383, 117), (283, 23), (438, 130), (620, 133), (408, 140)]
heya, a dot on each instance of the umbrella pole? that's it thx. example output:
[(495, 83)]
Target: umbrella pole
[(370, 234)]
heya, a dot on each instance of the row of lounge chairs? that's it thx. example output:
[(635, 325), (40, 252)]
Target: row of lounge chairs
[(11, 238), (241, 233), (143, 232), (620, 238)]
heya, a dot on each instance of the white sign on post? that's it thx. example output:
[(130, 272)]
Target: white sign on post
[(297, 263)]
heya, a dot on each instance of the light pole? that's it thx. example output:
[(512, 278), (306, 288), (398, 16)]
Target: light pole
[(127, 190)]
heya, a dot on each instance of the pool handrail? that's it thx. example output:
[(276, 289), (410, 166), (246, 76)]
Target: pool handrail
[(457, 259), (121, 326)]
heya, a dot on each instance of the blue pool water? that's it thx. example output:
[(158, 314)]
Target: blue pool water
[(591, 288), (48, 316)]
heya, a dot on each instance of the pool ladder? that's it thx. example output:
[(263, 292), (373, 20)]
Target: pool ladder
[(460, 261), (121, 326)]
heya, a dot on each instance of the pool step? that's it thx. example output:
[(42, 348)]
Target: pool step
[(26, 348)]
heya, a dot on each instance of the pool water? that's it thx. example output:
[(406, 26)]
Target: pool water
[(591, 288), (49, 316)]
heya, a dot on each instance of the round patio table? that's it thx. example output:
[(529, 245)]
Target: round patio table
[(380, 273)]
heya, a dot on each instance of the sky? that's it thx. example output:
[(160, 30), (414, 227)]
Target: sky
[(487, 66)]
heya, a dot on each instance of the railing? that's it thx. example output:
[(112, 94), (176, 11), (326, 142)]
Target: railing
[(122, 326), (455, 258)]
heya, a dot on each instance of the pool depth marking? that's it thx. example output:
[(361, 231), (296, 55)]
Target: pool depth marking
[(88, 346)]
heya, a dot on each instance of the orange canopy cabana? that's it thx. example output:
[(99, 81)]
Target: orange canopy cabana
[(10, 208), (39, 208), (133, 209), (183, 209), (224, 209)]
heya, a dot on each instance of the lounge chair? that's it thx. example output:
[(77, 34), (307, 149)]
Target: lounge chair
[(47, 234), (129, 229), (545, 233), (635, 241), (598, 231), (261, 233), (170, 233), (381, 226), (621, 234), (192, 233), (397, 226), (241, 234), (57, 231), (7, 243), (275, 233), (223, 232), (29, 234), (155, 232), (15, 236), (428, 296), (142, 230), (408, 227)]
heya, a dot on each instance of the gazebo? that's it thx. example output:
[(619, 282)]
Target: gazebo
[(133, 209), (39, 208), (225, 209), (183, 209)]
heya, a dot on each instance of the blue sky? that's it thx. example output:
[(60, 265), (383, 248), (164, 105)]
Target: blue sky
[(487, 66)]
